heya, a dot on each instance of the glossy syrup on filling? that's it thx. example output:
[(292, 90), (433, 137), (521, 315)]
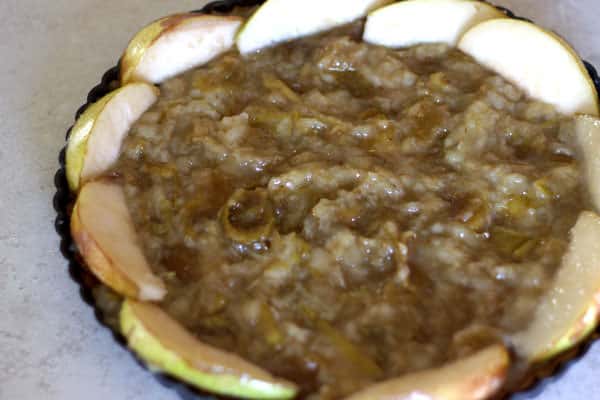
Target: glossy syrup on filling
[(342, 213)]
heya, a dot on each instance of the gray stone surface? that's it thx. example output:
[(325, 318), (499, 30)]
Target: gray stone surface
[(51, 54)]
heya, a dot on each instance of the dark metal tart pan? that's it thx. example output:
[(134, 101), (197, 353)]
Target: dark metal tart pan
[(532, 384)]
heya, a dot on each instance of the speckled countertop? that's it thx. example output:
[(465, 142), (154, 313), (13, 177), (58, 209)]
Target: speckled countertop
[(51, 54)]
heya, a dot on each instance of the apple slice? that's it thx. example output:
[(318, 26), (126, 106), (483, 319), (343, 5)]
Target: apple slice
[(587, 130), (425, 21), (536, 60), (473, 378), (278, 21), (102, 228), (569, 312), (167, 346), (95, 141), (174, 44)]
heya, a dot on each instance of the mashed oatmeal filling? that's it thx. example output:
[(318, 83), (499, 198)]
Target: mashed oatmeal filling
[(342, 213)]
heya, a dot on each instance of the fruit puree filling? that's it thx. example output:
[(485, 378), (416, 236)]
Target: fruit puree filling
[(341, 213)]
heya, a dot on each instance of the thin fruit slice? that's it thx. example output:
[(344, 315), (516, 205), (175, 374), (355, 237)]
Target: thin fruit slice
[(96, 138), (174, 44), (413, 22), (536, 60), (168, 347), (569, 312), (279, 21), (588, 137), (474, 378), (103, 231)]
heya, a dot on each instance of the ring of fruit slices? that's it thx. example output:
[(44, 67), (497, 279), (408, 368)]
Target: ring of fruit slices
[(106, 238)]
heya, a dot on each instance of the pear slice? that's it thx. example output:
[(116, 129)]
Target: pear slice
[(278, 21), (473, 378), (95, 141), (587, 130), (569, 312), (103, 231), (413, 22), (167, 346), (536, 60), (174, 44)]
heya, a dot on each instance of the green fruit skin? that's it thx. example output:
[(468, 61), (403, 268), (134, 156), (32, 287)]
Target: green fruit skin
[(576, 335), (77, 144), (162, 359)]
